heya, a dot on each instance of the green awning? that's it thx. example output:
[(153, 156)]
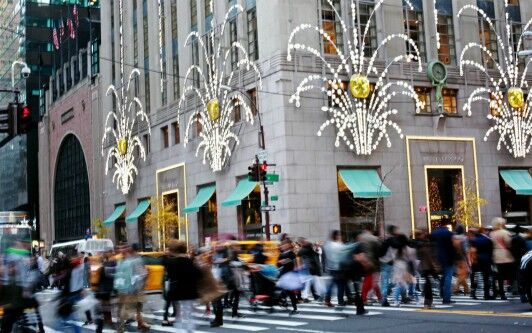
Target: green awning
[(364, 183), (519, 180), (141, 208), (119, 210), (242, 190), (204, 194)]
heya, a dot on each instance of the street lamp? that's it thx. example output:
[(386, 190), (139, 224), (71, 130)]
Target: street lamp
[(26, 71)]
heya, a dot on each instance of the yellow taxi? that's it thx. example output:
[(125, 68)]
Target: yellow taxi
[(246, 249)]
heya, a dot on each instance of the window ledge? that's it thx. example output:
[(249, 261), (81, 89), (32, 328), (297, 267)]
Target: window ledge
[(434, 114)]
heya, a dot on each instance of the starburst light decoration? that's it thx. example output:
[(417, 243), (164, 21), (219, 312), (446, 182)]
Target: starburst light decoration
[(120, 126), (511, 112), (361, 114), (217, 105)]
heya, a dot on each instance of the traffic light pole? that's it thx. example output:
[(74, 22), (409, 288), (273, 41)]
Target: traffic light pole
[(16, 93), (266, 213)]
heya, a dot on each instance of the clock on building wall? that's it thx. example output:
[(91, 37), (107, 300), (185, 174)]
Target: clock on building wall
[(437, 73)]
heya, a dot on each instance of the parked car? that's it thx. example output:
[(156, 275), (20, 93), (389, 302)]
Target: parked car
[(526, 275)]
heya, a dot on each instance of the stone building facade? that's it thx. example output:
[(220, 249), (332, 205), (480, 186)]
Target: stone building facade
[(310, 187)]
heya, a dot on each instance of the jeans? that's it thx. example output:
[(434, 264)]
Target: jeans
[(339, 281), (386, 274), (446, 281), (398, 290), (312, 287), (427, 288)]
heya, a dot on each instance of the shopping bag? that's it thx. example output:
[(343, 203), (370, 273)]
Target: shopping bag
[(86, 304), (290, 281)]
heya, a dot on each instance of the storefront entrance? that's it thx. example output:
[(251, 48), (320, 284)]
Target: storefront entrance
[(444, 190)]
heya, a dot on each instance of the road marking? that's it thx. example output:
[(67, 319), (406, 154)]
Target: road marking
[(479, 313), (300, 330), (201, 322), (298, 316), (258, 320)]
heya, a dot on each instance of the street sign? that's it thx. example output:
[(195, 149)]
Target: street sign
[(272, 177), (268, 183), (267, 208), (274, 198), (262, 155)]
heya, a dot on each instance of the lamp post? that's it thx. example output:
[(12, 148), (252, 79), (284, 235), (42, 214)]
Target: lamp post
[(26, 71), (262, 145)]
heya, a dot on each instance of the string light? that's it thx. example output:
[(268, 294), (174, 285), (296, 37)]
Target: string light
[(125, 142), (512, 120), (361, 123), (215, 114)]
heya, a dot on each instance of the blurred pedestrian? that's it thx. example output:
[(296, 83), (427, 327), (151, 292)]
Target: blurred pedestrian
[(445, 254), (427, 265), (312, 268), (370, 245), (481, 261), (287, 263), (104, 290), (402, 275), (461, 248), (387, 252), (332, 252), (502, 256)]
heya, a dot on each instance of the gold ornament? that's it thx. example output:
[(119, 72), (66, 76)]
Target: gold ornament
[(359, 86), (213, 109), (122, 146), (516, 98)]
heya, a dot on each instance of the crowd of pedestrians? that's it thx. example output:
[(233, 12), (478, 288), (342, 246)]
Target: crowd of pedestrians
[(392, 269)]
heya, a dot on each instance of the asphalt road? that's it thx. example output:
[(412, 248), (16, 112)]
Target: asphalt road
[(466, 315)]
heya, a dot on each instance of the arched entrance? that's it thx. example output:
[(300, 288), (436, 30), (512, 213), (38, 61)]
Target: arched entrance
[(71, 192)]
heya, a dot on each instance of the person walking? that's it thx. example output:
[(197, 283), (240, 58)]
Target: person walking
[(311, 265), (461, 247), (402, 273), (332, 252), (427, 265), (104, 290), (370, 245), (287, 263), (445, 254), (481, 261), (502, 257), (387, 252), (183, 277)]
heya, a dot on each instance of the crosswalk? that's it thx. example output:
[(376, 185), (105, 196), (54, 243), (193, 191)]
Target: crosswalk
[(260, 319)]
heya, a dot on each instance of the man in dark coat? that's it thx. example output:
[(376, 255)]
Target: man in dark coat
[(482, 259), (445, 253)]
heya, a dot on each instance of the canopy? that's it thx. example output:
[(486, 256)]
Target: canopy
[(519, 180), (364, 183), (119, 210), (204, 194), (242, 190), (141, 208)]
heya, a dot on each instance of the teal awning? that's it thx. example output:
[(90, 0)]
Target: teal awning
[(364, 183), (519, 180), (204, 194), (119, 210), (242, 190), (141, 208)]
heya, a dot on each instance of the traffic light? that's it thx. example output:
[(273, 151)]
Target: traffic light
[(253, 174), (23, 118), (263, 170), (276, 229), (7, 119)]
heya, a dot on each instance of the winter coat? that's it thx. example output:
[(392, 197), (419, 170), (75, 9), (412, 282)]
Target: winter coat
[(183, 277), (443, 241), (310, 259), (371, 247), (502, 242), (484, 251)]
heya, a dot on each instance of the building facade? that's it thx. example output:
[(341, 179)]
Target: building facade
[(439, 157)]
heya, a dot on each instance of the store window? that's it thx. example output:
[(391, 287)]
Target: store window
[(252, 93), (208, 220), (145, 235), (447, 50), (331, 25), (71, 192), (424, 95), (450, 100), (515, 208), (250, 215), (413, 22), (356, 214), (445, 190), (175, 47), (120, 229), (164, 137), (487, 36), (233, 38), (146, 140)]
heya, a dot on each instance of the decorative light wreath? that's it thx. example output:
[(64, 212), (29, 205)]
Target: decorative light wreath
[(120, 126), (215, 113), (361, 117), (512, 119)]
